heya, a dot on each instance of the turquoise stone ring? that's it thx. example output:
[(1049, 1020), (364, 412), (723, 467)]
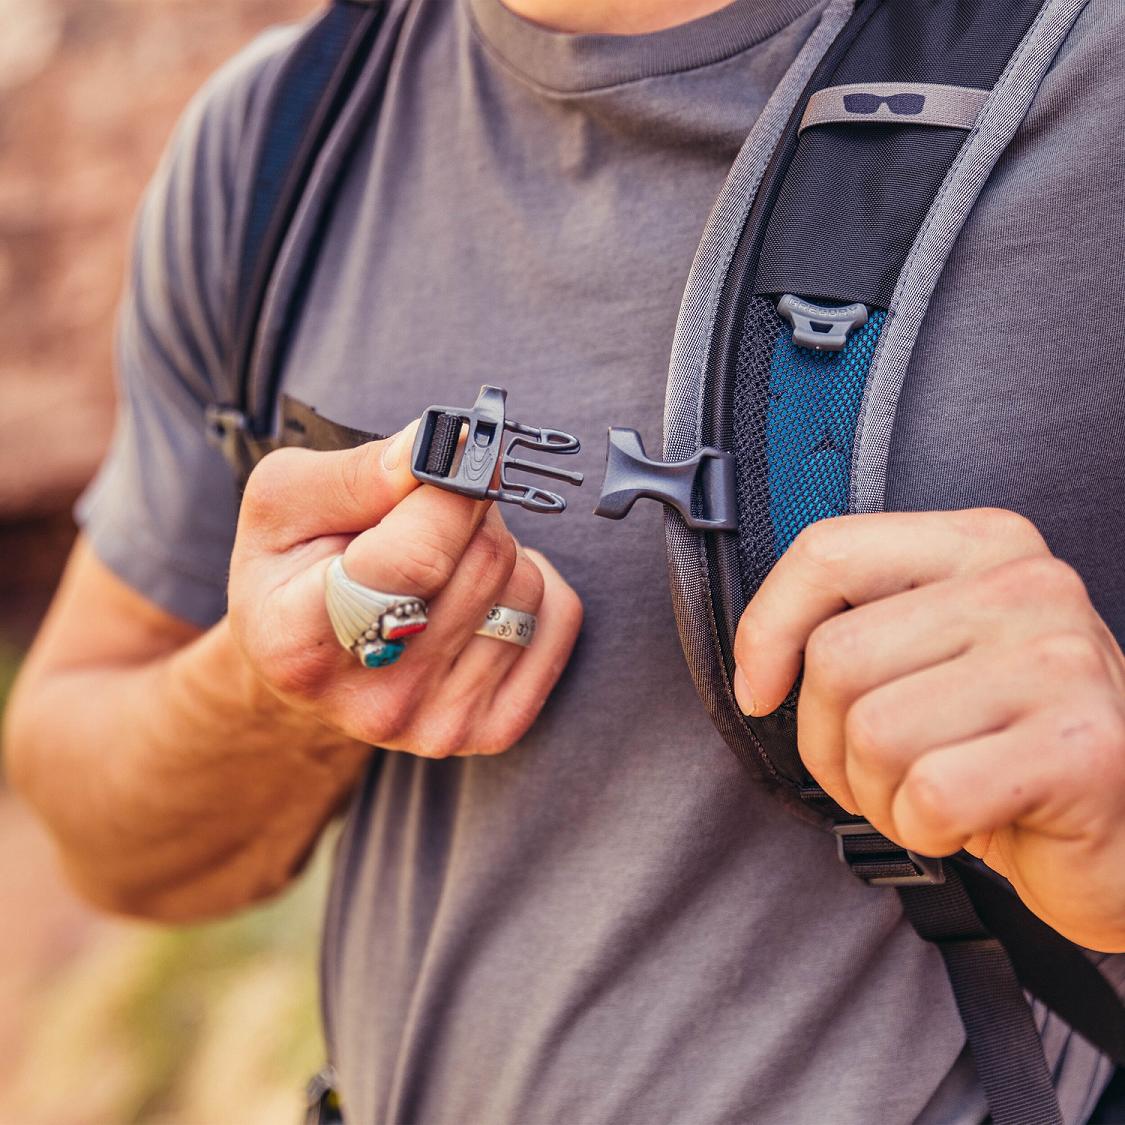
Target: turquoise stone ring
[(370, 623), (379, 654)]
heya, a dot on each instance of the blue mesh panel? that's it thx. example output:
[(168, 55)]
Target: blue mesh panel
[(814, 401), (793, 420)]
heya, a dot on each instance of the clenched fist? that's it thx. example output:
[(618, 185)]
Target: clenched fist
[(960, 691), (451, 693)]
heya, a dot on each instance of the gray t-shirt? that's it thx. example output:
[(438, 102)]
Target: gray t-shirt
[(610, 922)]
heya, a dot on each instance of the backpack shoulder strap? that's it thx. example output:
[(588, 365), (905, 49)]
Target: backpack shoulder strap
[(801, 289), (327, 71)]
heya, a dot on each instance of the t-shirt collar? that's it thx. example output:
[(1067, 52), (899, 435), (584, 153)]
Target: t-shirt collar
[(571, 63)]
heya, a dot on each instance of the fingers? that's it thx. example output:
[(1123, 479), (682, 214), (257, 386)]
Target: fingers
[(418, 545), (486, 568), (521, 695), (891, 727), (484, 662), (295, 495), (878, 648), (1047, 773), (453, 552), (889, 730), (414, 551), (488, 699), (845, 562)]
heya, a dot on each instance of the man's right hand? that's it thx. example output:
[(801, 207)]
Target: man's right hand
[(451, 693), (186, 773)]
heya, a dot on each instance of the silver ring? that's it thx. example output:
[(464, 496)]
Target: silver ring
[(368, 622), (507, 624)]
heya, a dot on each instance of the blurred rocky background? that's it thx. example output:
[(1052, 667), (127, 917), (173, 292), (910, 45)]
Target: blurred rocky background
[(104, 1022)]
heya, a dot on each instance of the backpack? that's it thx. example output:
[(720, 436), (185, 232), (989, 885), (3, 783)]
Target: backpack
[(907, 102)]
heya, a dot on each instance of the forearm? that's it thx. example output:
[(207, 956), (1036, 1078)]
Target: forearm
[(177, 788)]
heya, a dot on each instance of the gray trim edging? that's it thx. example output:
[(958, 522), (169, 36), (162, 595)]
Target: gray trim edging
[(1001, 117), (699, 306), (688, 571)]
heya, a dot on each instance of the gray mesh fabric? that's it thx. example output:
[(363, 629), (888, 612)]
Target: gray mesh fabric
[(762, 329)]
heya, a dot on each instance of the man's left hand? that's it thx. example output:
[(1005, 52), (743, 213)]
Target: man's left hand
[(960, 691)]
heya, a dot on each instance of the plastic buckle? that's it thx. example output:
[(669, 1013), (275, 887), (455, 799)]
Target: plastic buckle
[(704, 482), (228, 431), (875, 850), (226, 426), (322, 1103), (820, 327), (439, 459)]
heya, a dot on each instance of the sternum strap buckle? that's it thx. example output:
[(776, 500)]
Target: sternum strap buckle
[(487, 453)]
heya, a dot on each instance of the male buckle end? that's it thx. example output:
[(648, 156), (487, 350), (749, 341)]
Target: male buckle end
[(488, 453)]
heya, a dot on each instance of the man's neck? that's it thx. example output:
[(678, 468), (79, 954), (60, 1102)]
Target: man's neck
[(613, 17)]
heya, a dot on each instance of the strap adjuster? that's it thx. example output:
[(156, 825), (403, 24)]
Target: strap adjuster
[(225, 425), (322, 1102), (880, 862)]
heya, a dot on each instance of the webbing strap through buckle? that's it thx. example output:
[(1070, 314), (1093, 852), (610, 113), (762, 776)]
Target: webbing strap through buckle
[(226, 429), (321, 1100), (880, 862)]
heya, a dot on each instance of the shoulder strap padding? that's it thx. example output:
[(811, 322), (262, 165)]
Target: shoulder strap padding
[(323, 72)]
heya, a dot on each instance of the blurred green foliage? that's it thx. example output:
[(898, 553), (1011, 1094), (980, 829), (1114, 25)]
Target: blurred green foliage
[(194, 1025), (214, 1023), (10, 657), (199, 1025)]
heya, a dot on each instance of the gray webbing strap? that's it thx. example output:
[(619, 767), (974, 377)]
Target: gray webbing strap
[(895, 103), (1001, 1030)]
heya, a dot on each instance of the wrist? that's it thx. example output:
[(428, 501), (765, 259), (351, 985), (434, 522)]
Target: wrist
[(223, 667), (217, 674)]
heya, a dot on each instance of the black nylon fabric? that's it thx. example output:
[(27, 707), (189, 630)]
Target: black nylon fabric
[(1001, 1030), (443, 444), (1049, 966), (855, 196)]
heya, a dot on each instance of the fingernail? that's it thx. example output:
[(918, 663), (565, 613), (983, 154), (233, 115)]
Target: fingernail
[(392, 451), (742, 694)]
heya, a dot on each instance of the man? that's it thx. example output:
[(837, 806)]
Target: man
[(557, 898)]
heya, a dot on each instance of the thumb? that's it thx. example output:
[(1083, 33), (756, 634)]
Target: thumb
[(298, 494)]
